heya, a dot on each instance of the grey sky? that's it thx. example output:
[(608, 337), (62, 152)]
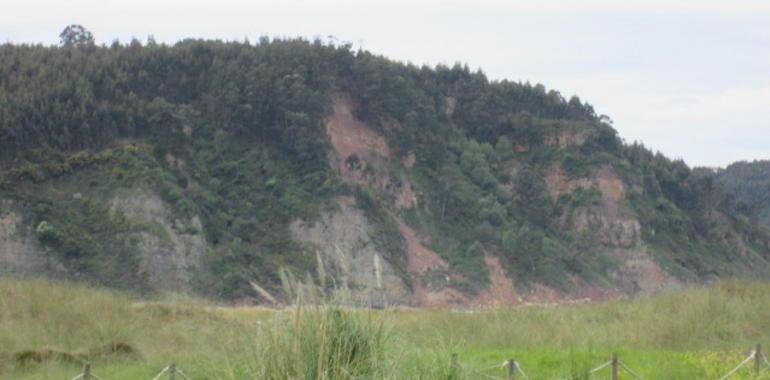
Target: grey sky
[(688, 78)]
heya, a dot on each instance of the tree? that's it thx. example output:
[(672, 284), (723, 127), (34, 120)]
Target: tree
[(533, 199), (76, 35), (504, 148)]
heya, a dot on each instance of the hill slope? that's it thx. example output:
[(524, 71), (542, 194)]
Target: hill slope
[(749, 182), (244, 171)]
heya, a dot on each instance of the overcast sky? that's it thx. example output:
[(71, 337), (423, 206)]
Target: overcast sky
[(688, 78)]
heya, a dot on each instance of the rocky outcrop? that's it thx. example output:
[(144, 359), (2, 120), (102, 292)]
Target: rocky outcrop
[(363, 157), (353, 267), (558, 182), (614, 224), (565, 139), (20, 253), (638, 273), (359, 272), (171, 248)]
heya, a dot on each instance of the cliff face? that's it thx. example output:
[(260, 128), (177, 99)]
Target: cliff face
[(20, 253), (293, 170), (170, 249)]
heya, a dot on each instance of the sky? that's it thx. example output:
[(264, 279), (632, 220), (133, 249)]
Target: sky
[(688, 78)]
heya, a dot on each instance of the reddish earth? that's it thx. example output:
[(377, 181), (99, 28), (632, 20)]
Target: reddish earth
[(543, 294), (566, 139), (363, 155), (500, 290), (351, 136), (409, 160), (558, 182), (421, 259), (591, 293), (611, 186)]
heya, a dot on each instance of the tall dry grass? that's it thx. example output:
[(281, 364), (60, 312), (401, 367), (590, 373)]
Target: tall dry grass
[(725, 315), (683, 335)]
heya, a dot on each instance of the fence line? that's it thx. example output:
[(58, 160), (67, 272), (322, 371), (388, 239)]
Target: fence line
[(752, 355), (634, 374), (511, 367), (521, 371), (761, 364), (172, 370)]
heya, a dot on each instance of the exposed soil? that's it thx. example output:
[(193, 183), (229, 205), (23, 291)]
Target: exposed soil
[(351, 136), (611, 186), (639, 273), (363, 156), (421, 259), (616, 227), (543, 294), (558, 182), (409, 160), (566, 139), (500, 290)]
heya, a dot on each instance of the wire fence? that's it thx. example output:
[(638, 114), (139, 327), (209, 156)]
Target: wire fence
[(511, 369), (171, 370)]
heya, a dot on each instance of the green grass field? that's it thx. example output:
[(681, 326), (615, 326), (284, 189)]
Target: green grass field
[(48, 330)]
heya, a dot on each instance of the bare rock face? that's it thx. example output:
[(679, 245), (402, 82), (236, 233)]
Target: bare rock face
[(359, 270), (171, 250), (558, 182), (20, 253), (615, 226), (618, 226), (362, 157), (640, 274), (566, 139)]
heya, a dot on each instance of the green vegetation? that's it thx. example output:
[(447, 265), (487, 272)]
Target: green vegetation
[(46, 330), (749, 183), (233, 133)]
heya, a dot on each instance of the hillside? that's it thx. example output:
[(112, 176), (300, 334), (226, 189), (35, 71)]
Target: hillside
[(749, 182), (254, 172)]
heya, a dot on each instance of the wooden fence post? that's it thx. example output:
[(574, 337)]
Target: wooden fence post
[(172, 371), (511, 366), (614, 361), (87, 371), (757, 359)]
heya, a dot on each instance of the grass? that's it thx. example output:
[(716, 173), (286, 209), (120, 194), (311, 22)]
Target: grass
[(693, 334)]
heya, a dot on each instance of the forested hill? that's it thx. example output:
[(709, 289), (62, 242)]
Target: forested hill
[(258, 171), (749, 182)]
